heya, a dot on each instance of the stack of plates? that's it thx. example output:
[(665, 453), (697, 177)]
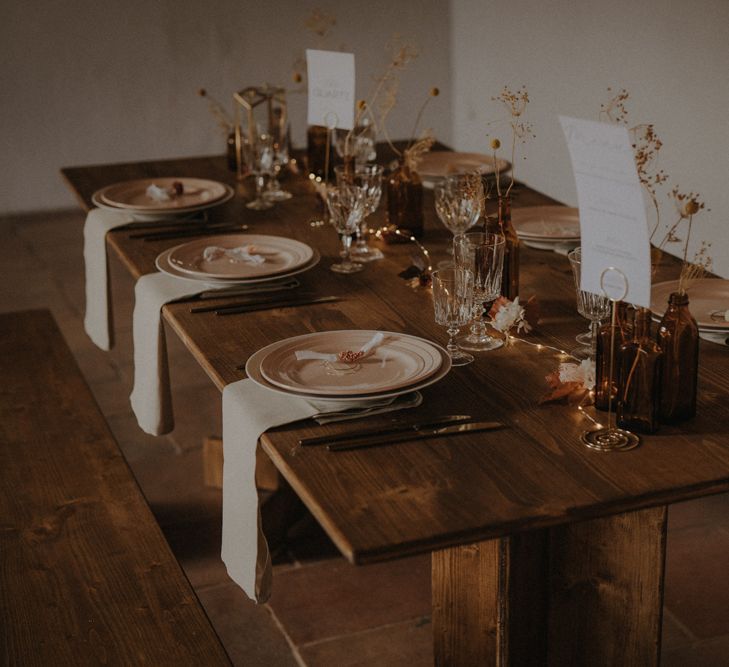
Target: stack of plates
[(131, 196), (283, 258), (708, 303), (400, 364), (436, 165), (547, 227)]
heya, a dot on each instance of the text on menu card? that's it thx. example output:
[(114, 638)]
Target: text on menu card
[(613, 225), (331, 88)]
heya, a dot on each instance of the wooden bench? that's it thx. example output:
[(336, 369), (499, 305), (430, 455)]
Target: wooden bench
[(86, 576)]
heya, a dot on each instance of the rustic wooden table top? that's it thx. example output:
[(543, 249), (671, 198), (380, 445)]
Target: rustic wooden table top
[(420, 496)]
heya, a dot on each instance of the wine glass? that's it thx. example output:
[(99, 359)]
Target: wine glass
[(368, 177), (280, 134), (459, 200), (482, 253), (346, 205), (453, 303), (591, 306), (259, 158)]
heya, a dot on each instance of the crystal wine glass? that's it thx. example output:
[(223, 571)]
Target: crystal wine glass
[(459, 201), (483, 255), (259, 158), (346, 205), (453, 303), (591, 306), (368, 177)]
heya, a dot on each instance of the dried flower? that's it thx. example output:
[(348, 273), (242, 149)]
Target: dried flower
[(434, 92), (614, 111), (516, 104), (570, 382), (361, 105), (413, 154), (225, 121), (297, 77), (695, 270), (507, 315), (320, 22)]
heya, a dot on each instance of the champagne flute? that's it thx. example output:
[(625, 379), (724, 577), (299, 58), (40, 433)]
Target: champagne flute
[(591, 306), (346, 205), (453, 304), (259, 158), (483, 255), (369, 178)]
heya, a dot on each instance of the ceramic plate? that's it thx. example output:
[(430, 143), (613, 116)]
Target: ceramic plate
[(399, 361), (547, 224), (253, 371), (280, 255), (133, 194), (438, 164), (138, 214), (165, 266), (706, 296)]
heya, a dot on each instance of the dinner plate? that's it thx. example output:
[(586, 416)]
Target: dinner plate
[(165, 266), (280, 255), (133, 194), (547, 224), (253, 371), (142, 214), (399, 361), (436, 165), (706, 296)]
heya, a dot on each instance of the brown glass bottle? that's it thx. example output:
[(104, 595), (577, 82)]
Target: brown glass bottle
[(316, 149), (606, 391), (639, 378), (405, 200), (502, 224), (678, 336)]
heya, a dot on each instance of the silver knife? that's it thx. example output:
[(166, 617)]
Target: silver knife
[(397, 427), (422, 434)]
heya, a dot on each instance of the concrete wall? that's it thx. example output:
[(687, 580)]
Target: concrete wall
[(88, 82), (673, 57)]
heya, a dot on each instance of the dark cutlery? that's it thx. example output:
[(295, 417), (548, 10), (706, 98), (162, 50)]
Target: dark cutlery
[(188, 232), (396, 427), (269, 305), (252, 300), (422, 434)]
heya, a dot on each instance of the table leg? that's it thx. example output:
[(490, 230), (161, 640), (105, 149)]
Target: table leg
[(587, 593)]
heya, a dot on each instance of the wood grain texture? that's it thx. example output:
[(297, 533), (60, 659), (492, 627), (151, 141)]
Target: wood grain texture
[(416, 497), (86, 576)]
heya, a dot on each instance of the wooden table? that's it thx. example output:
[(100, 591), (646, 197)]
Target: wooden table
[(543, 552)]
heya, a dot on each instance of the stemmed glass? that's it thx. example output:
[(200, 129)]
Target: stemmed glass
[(280, 134), (591, 306), (453, 303), (346, 205), (259, 158), (459, 200), (368, 177), (483, 255)]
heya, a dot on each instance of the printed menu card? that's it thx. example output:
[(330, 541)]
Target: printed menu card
[(331, 88), (616, 257)]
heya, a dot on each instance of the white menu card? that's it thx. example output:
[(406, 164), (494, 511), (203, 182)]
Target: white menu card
[(331, 88), (613, 225)]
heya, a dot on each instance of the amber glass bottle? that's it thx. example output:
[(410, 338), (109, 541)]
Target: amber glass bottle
[(502, 225), (606, 391), (678, 336), (316, 149), (639, 378), (405, 200)]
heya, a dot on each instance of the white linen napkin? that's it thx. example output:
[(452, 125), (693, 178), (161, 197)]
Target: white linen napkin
[(370, 345), (248, 411), (99, 320), (151, 398)]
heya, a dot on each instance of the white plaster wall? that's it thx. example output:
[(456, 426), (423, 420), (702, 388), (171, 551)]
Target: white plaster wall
[(672, 56), (101, 81)]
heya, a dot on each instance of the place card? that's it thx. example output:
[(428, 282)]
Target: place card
[(331, 88), (613, 225)]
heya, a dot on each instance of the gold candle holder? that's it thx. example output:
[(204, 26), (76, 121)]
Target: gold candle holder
[(257, 107)]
